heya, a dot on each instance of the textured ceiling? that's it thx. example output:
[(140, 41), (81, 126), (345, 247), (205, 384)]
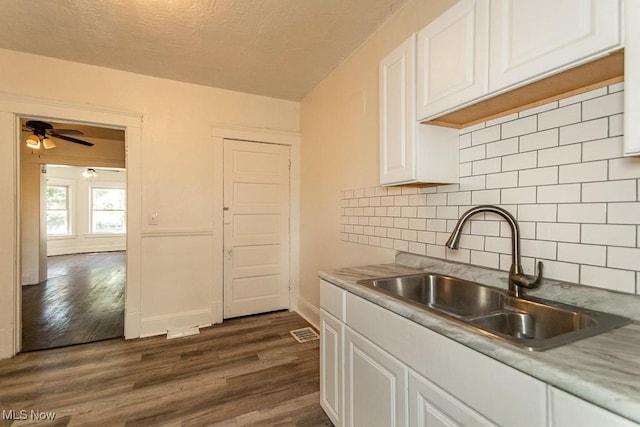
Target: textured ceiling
[(278, 48)]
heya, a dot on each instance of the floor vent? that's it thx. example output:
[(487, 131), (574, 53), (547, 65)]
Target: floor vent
[(304, 335)]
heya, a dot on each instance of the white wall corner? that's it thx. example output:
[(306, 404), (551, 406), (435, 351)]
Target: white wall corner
[(132, 325), (308, 311), (216, 312)]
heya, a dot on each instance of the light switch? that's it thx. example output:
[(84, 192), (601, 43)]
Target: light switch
[(153, 218)]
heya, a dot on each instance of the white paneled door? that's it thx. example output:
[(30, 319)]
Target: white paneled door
[(256, 228)]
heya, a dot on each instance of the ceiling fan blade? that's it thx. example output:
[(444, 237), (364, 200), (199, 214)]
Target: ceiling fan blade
[(66, 131), (71, 139)]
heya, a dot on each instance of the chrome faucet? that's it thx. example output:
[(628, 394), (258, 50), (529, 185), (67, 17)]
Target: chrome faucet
[(517, 279)]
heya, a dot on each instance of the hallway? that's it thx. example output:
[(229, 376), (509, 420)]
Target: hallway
[(81, 301)]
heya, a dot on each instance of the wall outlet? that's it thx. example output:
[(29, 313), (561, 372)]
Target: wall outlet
[(153, 218)]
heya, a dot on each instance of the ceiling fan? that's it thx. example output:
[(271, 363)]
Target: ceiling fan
[(43, 132)]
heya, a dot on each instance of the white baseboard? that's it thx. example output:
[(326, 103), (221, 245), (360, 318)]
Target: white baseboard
[(85, 249), (159, 325), (308, 311)]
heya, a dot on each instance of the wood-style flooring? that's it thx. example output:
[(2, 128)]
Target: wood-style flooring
[(81, 301), (245, 372)]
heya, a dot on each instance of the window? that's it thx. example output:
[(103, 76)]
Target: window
[(57, 210), (108, 210)]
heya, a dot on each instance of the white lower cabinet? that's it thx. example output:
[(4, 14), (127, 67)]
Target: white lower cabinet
[(331, 384), (375, 389), (567, 411), (378, 368), (430, 406)]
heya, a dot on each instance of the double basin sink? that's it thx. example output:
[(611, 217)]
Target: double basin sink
[(529, 322)]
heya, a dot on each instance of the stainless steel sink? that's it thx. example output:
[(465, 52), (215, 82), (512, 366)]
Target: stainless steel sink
[(528, 322)]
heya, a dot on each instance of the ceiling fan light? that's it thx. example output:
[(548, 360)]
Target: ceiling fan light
[(33, 141), (48, 143)]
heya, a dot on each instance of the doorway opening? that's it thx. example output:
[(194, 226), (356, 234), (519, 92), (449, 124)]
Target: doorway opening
[(73, 234)]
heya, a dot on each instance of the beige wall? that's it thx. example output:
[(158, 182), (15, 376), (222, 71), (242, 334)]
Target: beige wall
[(176, 164), (339, 123)]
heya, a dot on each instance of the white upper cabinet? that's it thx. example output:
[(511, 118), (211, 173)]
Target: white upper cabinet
[(531, 39), (632, 79), (410, 152), (397, 114), (453, 53)]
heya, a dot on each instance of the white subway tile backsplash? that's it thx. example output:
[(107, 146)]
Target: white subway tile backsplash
[(485, 135), (563, 176), (426, 237), (519, 195), (473, 153), (584, 131), (485, 228), (583, 213), (536, 141), (485, 197), (498, 244), (560, 155), (539, 249), (584, 172), (537, 212), (485, 259), (624, 168), (471, 183), (439, 199), (459, 255), (608, 278), (561, 193), (616, 125), (626, 258), (465, 141), (560, 117), (538, 176), (624, 213), (483, 167), (559, 232), (607, 234), (562, 271), (604, 106), (609, 148), (502, 180), (519, 127), (582, 254), (609, 191), (583, 96), (502, 148), (520, 161), (459, 198)]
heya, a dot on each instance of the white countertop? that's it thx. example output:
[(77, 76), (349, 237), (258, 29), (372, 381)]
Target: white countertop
[(604, 370)]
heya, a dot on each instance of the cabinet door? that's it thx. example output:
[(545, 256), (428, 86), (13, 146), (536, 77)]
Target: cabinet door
[(430, 406), (530, 39), (375, 391), (397, 114), (567, 411), (331, 363), (453, 58)]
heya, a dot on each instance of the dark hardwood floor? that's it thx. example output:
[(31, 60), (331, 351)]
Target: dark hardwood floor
[(81, 301), (246, 371)]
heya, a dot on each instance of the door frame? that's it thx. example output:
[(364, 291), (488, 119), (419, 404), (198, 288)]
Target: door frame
[(266, 136), (11, 109)]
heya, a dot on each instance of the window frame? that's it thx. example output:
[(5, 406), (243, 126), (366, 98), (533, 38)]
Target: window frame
[(71, 226), (110, 186)]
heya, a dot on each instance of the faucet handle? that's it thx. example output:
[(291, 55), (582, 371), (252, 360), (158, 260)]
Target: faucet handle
[(526, 281)]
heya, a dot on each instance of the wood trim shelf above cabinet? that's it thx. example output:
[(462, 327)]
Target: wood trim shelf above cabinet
[(592, 75)]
